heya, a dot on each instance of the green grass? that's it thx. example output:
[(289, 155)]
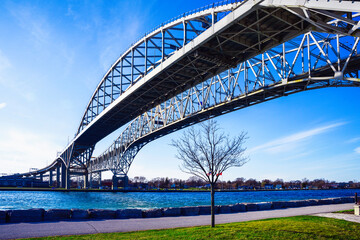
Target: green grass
[(350, 211), (300, 227)]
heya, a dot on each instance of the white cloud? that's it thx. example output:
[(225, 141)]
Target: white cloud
[(290, 142), (2, 105), (357, 150), (4, 62)]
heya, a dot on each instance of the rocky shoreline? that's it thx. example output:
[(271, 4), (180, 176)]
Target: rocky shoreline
[(40, 215)]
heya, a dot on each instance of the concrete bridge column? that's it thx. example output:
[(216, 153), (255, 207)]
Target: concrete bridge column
[(125, 181), (86, 180), (114, 182), (58, 176), (65, 177), (41, 177), (95, 179), (50, 178), (91, 180)]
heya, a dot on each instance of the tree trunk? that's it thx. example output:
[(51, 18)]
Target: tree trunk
[(212, 206)]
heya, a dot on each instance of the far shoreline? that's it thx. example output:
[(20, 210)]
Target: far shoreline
[(158, 191)]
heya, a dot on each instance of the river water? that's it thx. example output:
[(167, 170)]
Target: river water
[(145, 200)]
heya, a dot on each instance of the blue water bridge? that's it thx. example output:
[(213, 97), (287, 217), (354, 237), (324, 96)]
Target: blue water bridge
[(204, 63)]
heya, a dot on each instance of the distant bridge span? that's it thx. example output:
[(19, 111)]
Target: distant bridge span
[(208, 62)]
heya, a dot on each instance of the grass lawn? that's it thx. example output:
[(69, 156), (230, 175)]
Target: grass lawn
[(300, 227), (350, 211)]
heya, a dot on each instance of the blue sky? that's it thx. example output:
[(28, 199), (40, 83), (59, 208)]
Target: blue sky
[(54, 53)]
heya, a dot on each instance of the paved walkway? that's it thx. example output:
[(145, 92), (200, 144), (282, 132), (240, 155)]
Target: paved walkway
[(43, 229), (347, 217)]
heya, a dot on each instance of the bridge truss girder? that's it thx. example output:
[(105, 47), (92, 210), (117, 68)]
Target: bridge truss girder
[(254, 26), (310, 61), (195, 47)]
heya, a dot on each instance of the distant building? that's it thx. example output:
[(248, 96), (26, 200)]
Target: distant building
[(268, 186)]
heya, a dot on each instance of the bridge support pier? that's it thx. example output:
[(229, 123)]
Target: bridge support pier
[(65, 177), (41, 177), (58, 176), (86, 180), (123, 178), (95, 180), (114, 182), (99, 179), (51, 178), (91, 185)]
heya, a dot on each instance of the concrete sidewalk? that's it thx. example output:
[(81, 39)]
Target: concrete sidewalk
[(347, 217), (44, 229)]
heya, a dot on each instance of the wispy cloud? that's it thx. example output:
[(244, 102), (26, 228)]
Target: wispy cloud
[(2, 105), (26, 149), (33, 22), (111, 50), (4, 65), (290, 142), (357, 150), (4, 62), (353, 140)]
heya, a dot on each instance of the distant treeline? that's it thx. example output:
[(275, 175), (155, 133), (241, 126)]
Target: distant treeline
[(141, 182)]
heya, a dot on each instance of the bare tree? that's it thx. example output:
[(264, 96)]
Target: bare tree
[(208, 152)]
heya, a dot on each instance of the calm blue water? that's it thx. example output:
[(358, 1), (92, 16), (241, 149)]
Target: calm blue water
[(144, 200)]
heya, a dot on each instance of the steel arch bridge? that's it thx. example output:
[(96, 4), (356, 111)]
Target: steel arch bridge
[(208, 62)]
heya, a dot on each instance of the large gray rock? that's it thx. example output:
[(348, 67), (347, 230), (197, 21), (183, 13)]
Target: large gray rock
[(224, 209), (189, 211), (205, 210), (152, 213), (57, 214), (238, 207), (251, 207), (264, 206), (79, 214), (290, 204), (348, 199), (2, 216), (312, 202), (325, 201), (336, 200), (102, 213), (279, 204), (30, 215), (171, 212), (301, 203), (129, 213)]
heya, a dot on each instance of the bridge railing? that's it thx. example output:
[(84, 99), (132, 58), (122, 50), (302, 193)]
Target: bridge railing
[(188, 13)]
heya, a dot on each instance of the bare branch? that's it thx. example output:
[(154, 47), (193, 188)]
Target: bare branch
[(209, 152)]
